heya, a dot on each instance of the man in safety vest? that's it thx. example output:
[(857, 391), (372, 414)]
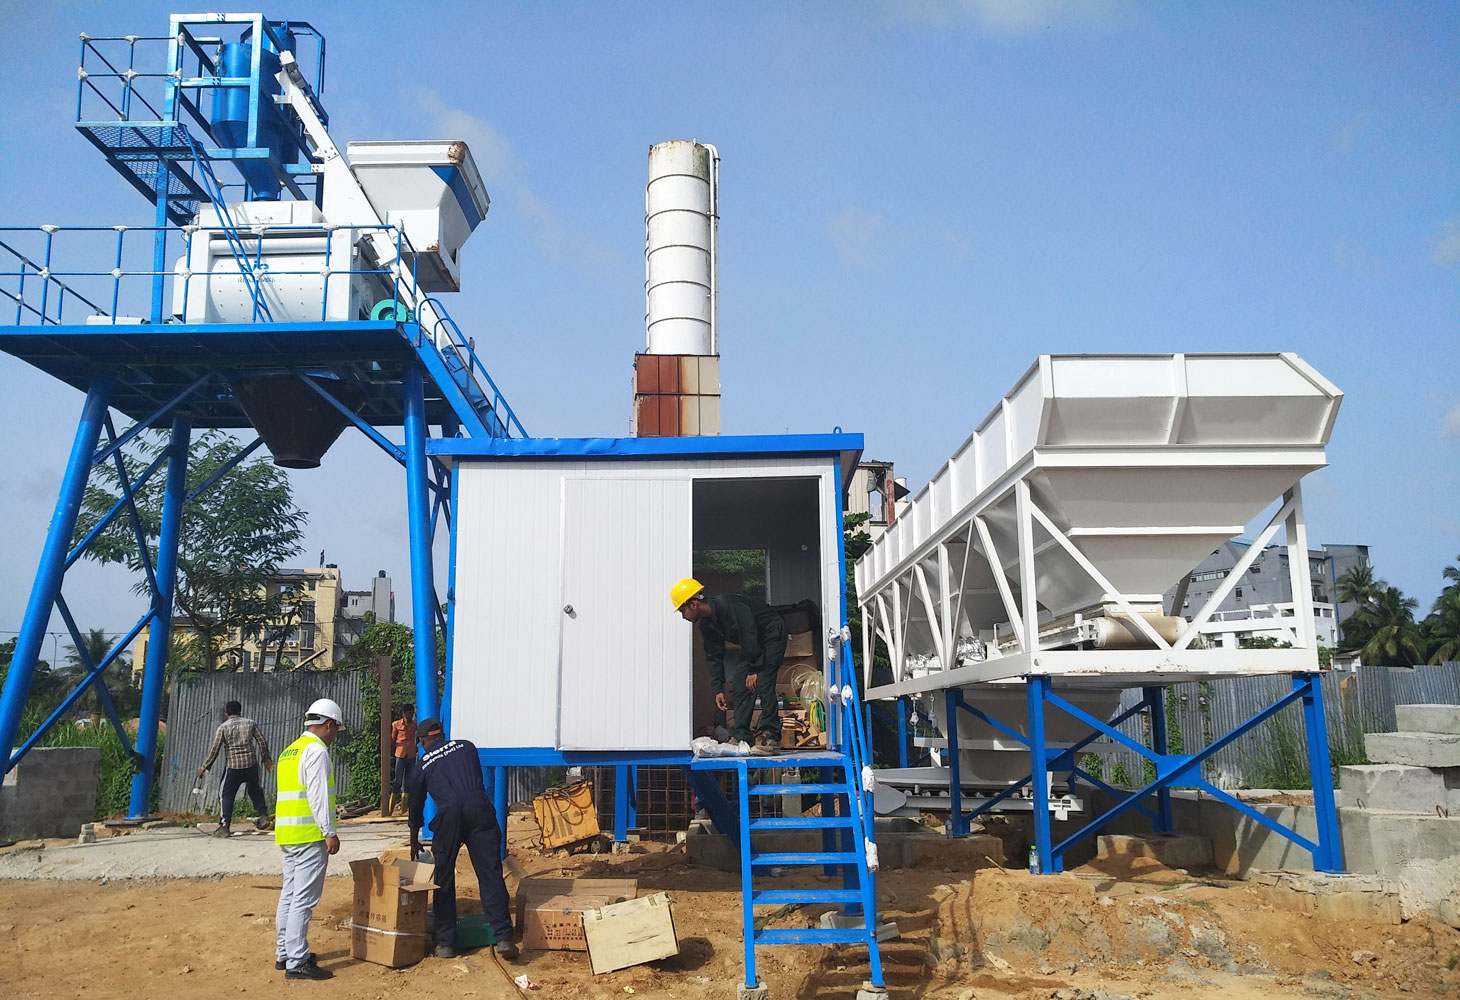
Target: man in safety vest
[(761, 635), (304, 829), (451, 773)]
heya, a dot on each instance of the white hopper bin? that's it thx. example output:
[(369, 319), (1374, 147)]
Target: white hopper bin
[(1093, 487), (432, 190)]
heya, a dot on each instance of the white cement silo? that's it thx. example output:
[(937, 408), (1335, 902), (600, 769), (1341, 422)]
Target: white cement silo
[(681, 253)]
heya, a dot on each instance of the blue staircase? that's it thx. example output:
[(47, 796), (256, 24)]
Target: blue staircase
[(845, 824)]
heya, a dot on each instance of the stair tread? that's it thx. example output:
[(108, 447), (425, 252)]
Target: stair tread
[(802, 822), (805, 858), (814, 935), (769, 896), (794, 789)]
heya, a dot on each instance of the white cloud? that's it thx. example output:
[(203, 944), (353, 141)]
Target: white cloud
[(1450, 425), (854, 233), (505, 173), (1009, 18), (1447, 247)]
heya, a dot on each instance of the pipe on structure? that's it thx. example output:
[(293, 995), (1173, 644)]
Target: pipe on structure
[(418, 517), (52, 564), (154, 673)]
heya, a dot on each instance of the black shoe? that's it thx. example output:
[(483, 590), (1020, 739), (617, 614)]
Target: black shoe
[(445, 951), (507, 950), (281, 965), (222, 831), (308, 971)]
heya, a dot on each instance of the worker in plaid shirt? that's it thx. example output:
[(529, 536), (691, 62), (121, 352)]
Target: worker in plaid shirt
[(241, 766)]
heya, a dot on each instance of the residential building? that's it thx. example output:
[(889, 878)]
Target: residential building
[(1257, 605), (875, 490), (317, 626)]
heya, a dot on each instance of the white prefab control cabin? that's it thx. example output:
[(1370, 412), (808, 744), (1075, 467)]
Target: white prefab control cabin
[(564, 552)]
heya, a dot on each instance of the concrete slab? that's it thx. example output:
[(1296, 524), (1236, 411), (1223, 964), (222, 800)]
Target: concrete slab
[(188, 852), (1336, 897), (761, 992), (1428, 718), (1397, 787), (1171, 850), (1419, 749)]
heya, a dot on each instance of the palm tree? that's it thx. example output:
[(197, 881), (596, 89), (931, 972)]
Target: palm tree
[(96, 645), (1357, 586), (1396, 640), (1443, 626)]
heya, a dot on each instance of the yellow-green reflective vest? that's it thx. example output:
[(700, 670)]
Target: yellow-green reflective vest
[(293, 822)]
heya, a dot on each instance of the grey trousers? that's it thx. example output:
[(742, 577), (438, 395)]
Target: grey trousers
[(304, 868)]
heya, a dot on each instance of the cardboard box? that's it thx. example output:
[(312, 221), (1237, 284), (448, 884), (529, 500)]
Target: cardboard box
[(389, 921), (550, 910), (630, 933), (800, 645), (566, 815)]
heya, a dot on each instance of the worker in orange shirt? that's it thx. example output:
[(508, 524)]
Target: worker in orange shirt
[(403, 738)]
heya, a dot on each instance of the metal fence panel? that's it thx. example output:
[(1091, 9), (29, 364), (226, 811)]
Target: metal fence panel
[(1354, 704), (276, 701)]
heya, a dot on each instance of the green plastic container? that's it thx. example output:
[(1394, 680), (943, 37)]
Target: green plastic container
[(473, 931)]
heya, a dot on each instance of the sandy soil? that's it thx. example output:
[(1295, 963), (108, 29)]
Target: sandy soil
[(1148, 932)]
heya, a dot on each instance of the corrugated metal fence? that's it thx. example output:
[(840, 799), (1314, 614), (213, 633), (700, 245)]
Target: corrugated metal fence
[(275, 701), (1275, 753)]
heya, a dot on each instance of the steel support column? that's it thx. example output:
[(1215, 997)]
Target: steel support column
[(52, 564), (499, 804), (1329, 856), (1037, 688), (957, 825), (1155, 701), (418, 517), (154, 673)]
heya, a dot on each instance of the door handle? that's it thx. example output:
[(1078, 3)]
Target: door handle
[(568, 610)]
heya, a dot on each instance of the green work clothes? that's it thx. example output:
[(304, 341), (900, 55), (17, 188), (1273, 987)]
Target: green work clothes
[(761, 635)]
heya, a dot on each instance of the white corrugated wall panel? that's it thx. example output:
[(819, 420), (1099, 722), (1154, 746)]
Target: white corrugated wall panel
[(626, 657), (505, 674)]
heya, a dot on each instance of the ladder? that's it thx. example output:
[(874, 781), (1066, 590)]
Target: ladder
[(847, 849)]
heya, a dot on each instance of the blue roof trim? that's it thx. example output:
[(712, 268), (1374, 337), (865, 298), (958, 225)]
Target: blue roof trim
[(649, 447)]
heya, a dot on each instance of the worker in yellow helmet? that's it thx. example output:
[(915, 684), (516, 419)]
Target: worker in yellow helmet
[(761, 635), (304, 829)]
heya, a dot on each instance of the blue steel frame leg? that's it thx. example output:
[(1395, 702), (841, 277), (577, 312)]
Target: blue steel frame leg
[(52, 565), (621, 782), (1329, 856), (499, 803), (633, 803), (418, 515), (742, 781), (154, 673), (902, 710), (1036, 689), (1156, 702), (956, 825)]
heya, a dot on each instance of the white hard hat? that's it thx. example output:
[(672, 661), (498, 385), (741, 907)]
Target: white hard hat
[(324, 708)]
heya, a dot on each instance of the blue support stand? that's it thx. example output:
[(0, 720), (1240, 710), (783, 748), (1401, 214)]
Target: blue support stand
[(1329, 856), (52, 565), (1037, 690), (902, 710), (957, 821), (154, 674), (418, 514), (1156, 703), (625, 800), (499, 803)]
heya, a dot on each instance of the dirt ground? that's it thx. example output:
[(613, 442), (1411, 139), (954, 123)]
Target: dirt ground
[(965, 935)]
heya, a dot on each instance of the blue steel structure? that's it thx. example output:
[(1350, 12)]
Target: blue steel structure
[(1172, 770), (100, 323)]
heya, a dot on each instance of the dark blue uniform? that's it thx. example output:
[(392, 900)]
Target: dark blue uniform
[(451, 774)]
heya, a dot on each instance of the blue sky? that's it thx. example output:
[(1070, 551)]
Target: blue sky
[(917, 199)]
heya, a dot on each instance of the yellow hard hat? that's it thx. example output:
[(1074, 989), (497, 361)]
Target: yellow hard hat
[(681, 592)]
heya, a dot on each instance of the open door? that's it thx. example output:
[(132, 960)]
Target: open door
[(626, 656)]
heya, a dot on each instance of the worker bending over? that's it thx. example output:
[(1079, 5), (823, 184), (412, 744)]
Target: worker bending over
[(451, 773), (761, 635), (304, 829)]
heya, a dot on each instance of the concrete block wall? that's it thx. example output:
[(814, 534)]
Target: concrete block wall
[(50, 793)]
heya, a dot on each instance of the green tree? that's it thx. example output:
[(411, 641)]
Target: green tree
[(1394, 640), (118, 677), (1358, 586), (398, 642), (234, 537)]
